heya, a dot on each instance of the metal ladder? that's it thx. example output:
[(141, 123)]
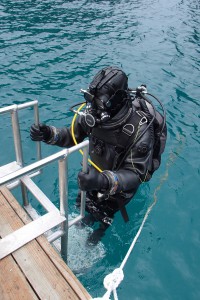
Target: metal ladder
[(16, 174)]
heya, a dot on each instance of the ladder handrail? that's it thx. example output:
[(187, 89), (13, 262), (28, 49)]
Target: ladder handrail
[(32, 169), (13, 110), (18, 106), (41, 163)]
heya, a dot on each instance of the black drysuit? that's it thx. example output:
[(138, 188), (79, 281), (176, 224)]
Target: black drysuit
[(108, 144)]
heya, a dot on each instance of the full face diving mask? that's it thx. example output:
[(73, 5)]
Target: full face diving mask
[(103, 95), (96, 109)]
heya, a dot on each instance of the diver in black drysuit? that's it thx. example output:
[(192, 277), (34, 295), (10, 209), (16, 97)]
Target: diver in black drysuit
[(126, 139)]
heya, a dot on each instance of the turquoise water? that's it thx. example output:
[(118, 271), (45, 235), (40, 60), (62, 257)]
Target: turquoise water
[(51, 49)]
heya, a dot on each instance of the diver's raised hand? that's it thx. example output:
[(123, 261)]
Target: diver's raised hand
[(40, 132)]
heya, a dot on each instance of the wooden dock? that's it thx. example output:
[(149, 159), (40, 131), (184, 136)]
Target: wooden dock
[(35, 271)]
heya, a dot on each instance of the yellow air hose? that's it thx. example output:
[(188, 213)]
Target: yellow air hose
[(74, 139)]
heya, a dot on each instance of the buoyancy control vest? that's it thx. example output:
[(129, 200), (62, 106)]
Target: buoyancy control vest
[(108, 148)]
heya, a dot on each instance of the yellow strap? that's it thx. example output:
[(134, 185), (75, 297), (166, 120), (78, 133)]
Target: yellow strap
[(74, 139)]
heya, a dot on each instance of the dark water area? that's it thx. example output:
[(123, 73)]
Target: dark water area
[(49, 50)]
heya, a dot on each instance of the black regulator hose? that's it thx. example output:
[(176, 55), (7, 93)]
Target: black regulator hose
[(162, 106), (139, 92), (149, 117), (77, 104)]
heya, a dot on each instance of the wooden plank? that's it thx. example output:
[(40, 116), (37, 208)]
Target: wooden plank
[(64, 269), (56, 260), (47, 281), (13, 285)]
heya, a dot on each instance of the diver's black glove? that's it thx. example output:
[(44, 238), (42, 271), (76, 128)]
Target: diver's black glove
[(40, 133), (92, 181)]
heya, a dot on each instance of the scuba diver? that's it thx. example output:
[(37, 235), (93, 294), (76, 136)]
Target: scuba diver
[(127, 136)]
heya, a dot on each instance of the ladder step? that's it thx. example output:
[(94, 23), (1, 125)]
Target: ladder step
[(9, 168), (27, 233)]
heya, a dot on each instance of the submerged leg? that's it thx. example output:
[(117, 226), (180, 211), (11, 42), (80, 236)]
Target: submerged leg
[(98, 233), (97, 213), (88, 220)]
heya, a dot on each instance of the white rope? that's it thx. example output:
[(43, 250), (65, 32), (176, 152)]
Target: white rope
[(112, 280), (137, 235)]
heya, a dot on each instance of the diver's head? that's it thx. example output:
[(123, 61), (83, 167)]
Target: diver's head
[(106, 94)]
